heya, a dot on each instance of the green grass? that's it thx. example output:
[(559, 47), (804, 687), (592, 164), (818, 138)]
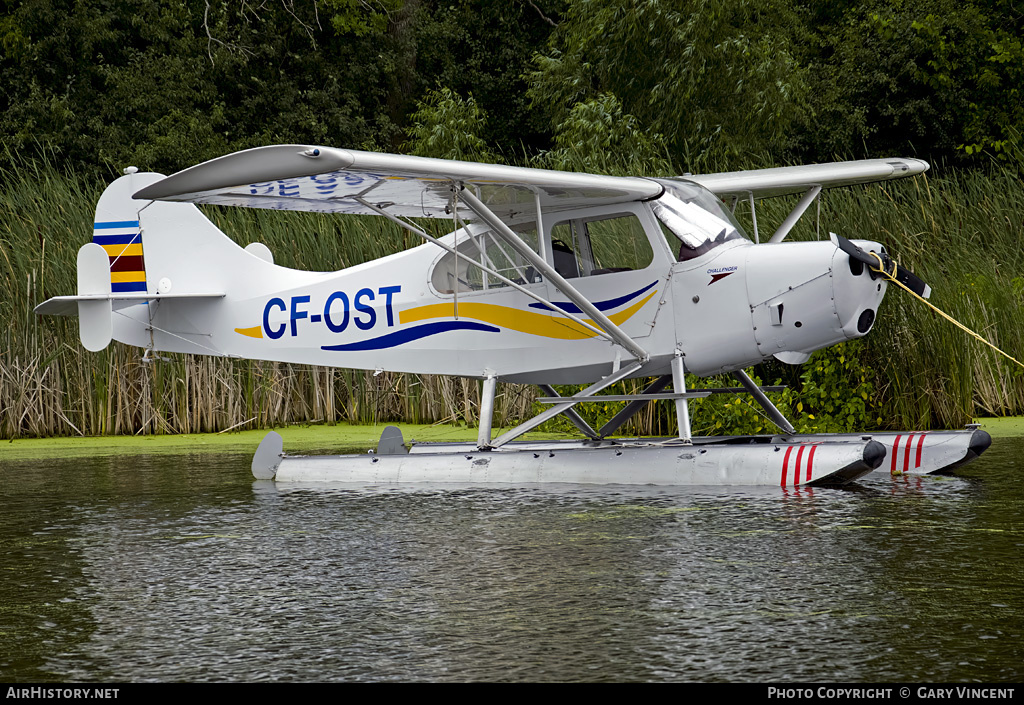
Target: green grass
[(297, 439)]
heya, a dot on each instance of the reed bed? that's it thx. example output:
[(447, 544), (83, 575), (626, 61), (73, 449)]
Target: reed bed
[(959, 231)]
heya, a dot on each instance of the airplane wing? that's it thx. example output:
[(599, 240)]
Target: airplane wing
[(765, 183), (328, 180)]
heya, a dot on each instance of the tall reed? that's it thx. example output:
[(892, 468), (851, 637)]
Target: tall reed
[(959, 231)]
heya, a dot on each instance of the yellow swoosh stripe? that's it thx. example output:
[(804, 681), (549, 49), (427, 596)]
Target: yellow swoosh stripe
[(254, 332), (548, 326)]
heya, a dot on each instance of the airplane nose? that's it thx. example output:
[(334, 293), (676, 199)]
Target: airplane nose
[(880, 260), (857, 289)]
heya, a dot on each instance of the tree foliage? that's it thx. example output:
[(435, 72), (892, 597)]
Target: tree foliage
[(448, 126), (698, 84), (936, 78), (716, 78), (597, 136)]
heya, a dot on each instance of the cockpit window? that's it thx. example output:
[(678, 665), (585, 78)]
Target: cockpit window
[(587, 247), (697, 219)]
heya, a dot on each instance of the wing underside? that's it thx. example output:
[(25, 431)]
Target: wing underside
[(327, 180)]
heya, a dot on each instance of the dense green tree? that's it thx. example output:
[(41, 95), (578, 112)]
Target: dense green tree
[(448, 126), (937, 78), (709, 84), (716, 78), (597, 136), (165, 85), (484, 48)]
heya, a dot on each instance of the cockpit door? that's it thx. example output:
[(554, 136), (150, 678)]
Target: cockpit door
[(616, 257)]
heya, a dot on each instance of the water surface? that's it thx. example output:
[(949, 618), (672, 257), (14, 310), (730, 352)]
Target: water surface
[(182, 568)]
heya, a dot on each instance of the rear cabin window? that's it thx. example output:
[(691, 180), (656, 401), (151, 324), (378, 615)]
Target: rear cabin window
[(460, 274)]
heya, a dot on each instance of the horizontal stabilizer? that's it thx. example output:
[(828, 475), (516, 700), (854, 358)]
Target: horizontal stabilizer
[(68, 305)]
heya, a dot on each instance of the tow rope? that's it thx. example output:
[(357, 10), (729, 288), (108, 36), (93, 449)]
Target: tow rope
[(889, 276)]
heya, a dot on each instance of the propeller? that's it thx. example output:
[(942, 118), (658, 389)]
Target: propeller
[(883, 264)]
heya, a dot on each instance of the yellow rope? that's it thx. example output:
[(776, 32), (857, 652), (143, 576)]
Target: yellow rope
[(881, 270)]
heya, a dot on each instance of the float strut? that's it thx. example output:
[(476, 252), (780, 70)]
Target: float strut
[(633, 407), (483, 437), (682, 406), (774, 414), (571, 413)]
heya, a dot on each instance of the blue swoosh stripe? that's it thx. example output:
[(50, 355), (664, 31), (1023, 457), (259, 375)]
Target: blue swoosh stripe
[(409, 334), (601, 305)]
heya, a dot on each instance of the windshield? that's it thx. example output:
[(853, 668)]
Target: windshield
[(696, 217)]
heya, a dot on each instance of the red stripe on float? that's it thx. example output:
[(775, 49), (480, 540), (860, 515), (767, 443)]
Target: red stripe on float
[(785, 465), (895, 454), (796, 473), (906, 453), (810, 463), (920, 447)]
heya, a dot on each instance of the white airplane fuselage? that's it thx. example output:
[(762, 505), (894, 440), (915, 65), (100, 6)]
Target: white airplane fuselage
[(728, 308)]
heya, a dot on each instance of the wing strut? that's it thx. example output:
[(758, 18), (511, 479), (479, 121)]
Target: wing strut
[(506, 233), (795, 214)]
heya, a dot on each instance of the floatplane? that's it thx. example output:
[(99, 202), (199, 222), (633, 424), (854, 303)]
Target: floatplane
[(547, 278)]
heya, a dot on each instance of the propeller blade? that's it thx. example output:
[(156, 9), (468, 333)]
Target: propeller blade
[(855, 252), (896, 272), (913, 282)]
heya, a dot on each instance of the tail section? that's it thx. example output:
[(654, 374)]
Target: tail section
[(116, 229), (144, 256)]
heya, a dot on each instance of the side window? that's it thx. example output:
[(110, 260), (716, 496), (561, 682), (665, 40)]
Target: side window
[(618, 244), (461, 274), (598, 246)]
